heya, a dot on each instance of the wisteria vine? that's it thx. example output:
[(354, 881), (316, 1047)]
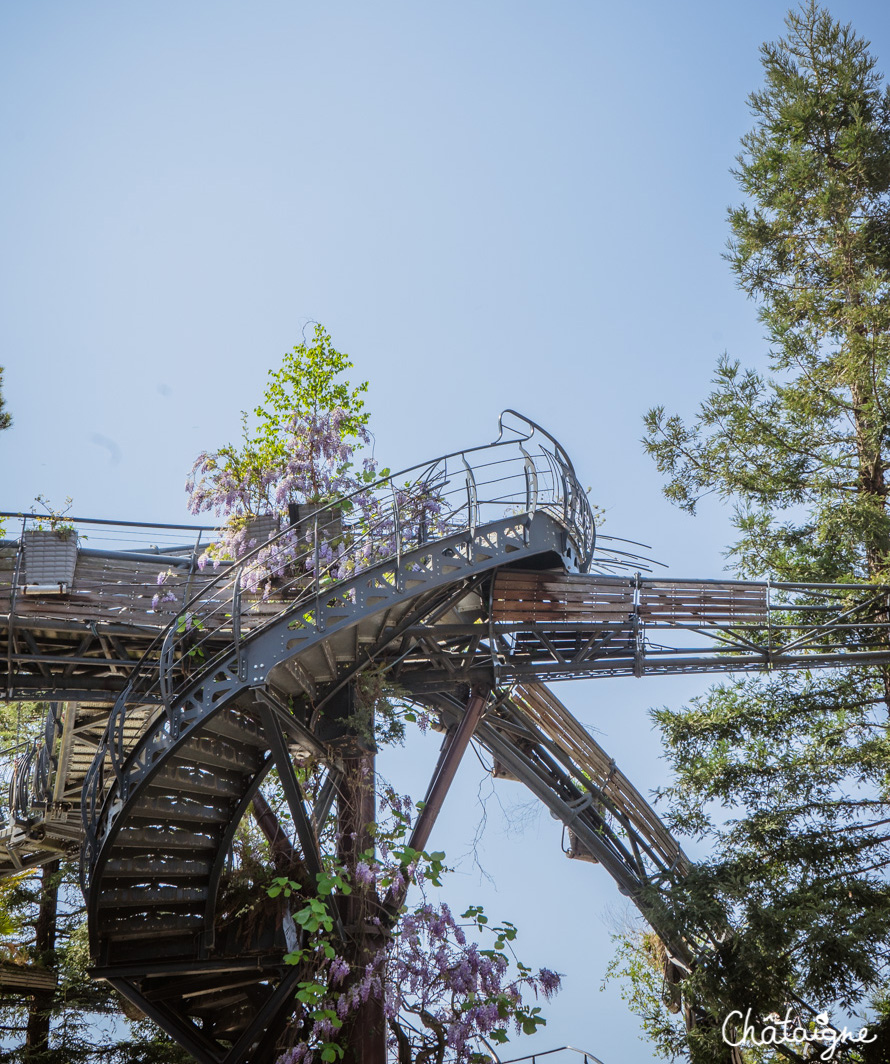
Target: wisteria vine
[(443, 993), (306, 453)]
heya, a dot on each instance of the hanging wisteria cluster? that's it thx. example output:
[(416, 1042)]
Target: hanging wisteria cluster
[(314, 465), (440, 992), (358, 530)]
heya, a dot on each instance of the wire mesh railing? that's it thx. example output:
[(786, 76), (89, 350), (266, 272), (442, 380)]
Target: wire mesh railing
[(770, 623), (99, 534)]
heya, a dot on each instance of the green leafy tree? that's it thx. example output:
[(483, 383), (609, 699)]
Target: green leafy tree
[(788, 776), (301, 450), (309, 385)]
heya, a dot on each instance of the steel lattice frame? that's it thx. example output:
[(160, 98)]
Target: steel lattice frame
[(469, 581)]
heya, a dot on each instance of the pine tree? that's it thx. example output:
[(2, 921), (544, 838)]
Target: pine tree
[(799, 763)]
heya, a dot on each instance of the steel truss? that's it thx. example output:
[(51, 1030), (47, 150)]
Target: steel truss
[(469, 580)]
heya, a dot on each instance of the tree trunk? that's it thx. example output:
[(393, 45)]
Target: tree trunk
[(366, 1032), (37, 1037)]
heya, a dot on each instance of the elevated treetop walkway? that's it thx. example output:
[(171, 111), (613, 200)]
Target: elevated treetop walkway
[(469, 581)]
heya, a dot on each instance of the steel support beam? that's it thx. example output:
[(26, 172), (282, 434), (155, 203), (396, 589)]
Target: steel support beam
[(454, 749), (186, 1033), (292, 790)]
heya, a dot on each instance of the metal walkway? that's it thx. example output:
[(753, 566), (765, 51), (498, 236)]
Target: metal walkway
[(468, 581)]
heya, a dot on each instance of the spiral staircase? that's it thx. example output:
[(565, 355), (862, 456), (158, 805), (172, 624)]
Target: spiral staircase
[(469, 582)]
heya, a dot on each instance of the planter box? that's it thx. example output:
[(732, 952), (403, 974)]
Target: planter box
[(50, 559), (261, 528), (330, 522)]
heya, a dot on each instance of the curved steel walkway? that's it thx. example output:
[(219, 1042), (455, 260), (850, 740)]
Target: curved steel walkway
[(468, 581)]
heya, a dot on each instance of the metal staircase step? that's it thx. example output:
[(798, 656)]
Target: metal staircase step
[(205, 751), (165, 925), (153, 837), (131, 950), (181, 809), (224, 1021), (217, 1002), (148, 897), (194, 987), (160, 868), (196, 779), (237, 729)]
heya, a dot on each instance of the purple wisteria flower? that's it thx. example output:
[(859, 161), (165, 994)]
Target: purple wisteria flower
[(549, 981), (364, 875)]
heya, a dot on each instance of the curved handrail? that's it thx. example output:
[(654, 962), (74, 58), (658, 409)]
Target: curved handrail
[(588, 1056), (26, 778), (535, 428), (578, 513), (289, 573)]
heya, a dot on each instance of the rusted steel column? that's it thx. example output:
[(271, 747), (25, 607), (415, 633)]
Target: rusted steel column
[(284, 856), (449, 760), (447, 768)]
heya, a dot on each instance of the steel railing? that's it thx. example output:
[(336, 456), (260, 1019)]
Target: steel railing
[(525, 471)]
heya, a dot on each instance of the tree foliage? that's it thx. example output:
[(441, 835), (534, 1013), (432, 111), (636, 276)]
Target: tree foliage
[(788, 777), (309, 387), (5, 416), (811, 244), (308, 428)]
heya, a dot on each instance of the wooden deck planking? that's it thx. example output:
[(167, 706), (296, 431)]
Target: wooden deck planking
[(548, 713), (548, 597)]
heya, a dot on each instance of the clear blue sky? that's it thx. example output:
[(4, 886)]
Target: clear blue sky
[(488, 205)]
